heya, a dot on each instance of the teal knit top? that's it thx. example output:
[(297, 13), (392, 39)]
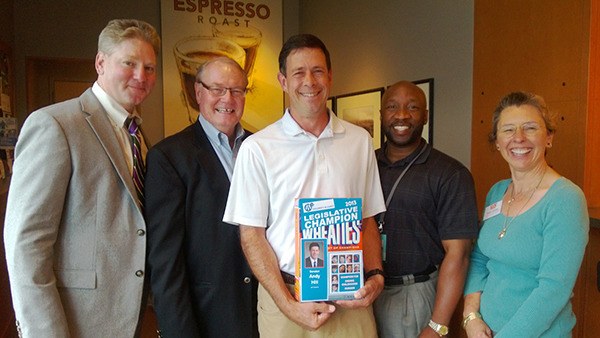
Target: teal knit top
[(527, 277)]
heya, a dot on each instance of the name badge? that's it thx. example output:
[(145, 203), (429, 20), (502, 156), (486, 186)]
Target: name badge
[(492, 210)]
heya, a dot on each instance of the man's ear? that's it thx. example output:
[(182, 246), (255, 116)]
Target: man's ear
[(99, 63), (282, 81)]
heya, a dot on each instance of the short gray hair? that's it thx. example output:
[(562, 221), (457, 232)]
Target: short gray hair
[(222, 59)]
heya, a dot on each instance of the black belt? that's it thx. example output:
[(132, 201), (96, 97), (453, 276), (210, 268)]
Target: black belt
[(412, 278), (287, 278)]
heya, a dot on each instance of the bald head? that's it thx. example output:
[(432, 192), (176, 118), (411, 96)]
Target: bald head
[(221, 61), (403, 115), (405, 86)]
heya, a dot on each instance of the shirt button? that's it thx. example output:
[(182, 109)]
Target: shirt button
[(139, 273), (246, 280), (141, 232)]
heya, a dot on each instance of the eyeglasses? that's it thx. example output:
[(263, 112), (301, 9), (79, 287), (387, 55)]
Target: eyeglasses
[(528, 128), (220, 91)]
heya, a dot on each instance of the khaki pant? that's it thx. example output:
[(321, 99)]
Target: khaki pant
[(272, 323), (403, 311)]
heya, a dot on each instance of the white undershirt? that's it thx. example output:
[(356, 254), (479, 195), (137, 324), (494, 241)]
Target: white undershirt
[(117, 116)]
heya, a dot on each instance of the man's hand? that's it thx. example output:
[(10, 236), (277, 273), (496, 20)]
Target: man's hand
[(366, 295), (310, 316), (263, 261)]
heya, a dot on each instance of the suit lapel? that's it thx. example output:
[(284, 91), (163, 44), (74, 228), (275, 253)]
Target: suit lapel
[(99, 121)]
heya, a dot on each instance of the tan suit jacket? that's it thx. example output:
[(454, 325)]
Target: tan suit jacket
[(74, 234)]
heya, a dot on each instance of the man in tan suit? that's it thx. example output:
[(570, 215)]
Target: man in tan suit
[(75, 233)]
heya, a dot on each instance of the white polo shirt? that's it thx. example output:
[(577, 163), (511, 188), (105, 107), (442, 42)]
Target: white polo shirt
[(282, 163)]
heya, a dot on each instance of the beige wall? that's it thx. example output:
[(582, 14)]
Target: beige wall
[(376, 43)]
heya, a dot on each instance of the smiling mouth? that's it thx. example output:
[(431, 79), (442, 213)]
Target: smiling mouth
[(401, 128), (520, 151), (311, 94), (224, 110)]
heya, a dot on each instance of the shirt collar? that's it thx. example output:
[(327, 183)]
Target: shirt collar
[(403, 162), (292, 128), (114, 110), (215, 135)]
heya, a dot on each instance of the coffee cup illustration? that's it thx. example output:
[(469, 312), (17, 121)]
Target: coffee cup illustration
[(191, 53), (248, 38)]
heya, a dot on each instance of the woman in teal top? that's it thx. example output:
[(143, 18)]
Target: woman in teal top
[(533, 237)]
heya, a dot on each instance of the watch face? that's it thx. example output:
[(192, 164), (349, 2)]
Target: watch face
[(443, 330)]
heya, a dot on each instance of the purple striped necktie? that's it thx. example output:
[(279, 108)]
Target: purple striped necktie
[(139, 169)]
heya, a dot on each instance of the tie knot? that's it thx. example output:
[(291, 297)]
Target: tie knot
[(131, 125)]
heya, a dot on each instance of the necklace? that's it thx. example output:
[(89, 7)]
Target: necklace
[(508, 220)]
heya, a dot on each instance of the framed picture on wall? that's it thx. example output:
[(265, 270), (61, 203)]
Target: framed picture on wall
[(362, 109), (331, 103), (427, 86)]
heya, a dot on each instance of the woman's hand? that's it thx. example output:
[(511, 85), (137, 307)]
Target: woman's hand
[(477, 328)]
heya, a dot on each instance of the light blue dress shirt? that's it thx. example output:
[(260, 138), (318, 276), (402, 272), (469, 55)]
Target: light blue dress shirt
[(220, 143)]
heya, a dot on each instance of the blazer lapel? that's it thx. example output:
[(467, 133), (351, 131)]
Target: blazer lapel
[(100, 124)]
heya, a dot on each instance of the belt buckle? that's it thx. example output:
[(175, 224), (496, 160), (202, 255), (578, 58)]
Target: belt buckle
[(408, 279)]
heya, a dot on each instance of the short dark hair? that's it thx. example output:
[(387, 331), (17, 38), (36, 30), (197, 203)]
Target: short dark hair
[(518, 99), (313, 244), (301, 41)]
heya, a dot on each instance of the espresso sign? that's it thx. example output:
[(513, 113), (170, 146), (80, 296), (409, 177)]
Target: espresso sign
[(194, 31)]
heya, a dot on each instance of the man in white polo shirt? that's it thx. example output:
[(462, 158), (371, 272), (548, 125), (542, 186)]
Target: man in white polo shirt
[(309, 152)]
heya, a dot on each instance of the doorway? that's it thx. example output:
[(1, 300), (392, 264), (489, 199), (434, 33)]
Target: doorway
[(54, 80)]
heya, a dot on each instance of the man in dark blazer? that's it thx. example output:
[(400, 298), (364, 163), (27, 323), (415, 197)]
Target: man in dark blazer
[(201, 282), (74, 232), (313, 260)]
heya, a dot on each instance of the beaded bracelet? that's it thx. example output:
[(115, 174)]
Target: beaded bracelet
[(470, 317)]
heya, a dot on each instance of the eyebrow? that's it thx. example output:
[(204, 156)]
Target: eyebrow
[(512, 124)]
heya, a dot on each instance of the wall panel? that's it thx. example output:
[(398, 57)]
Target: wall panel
[(538, 47)]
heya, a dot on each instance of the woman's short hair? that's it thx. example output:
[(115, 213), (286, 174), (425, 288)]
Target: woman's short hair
[(518, 99)]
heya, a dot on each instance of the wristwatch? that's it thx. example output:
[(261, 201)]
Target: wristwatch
[(374, 272), (442, 330)]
